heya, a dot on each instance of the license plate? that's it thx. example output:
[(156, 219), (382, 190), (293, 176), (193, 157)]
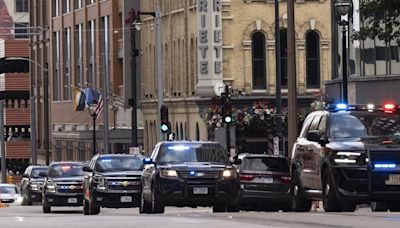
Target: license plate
[(126, 199), (200, 191), (265, 180), (394, 179), (72, 200)]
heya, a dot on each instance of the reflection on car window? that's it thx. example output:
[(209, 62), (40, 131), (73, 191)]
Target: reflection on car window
[(8, 190), (266, 164), (120, 163), (35, 172), (192, 152), (66, 170), (364, 124)]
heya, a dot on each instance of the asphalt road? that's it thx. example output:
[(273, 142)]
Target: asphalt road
[(32, 216)]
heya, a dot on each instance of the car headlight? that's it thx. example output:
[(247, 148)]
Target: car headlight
[(34, 186), (168, 173), (101, 183), (51, 187), (18, 200), (228, 173), (350, 157)]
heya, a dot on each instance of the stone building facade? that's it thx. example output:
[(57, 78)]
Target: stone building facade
[(248, 58)]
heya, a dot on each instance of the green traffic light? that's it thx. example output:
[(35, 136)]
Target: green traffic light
[(228, 119), (164, 128)]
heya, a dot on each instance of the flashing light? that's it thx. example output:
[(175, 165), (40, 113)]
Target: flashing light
[(341, 106), (178, 148), (147, 161), (106, 160), (370, 106), (228, 173), (389, 107), (65, 167), (385, 166), (192, 173), (246, 177)]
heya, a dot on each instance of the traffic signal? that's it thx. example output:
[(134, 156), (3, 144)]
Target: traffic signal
[(226, 106), (269, 121), (165, 127)]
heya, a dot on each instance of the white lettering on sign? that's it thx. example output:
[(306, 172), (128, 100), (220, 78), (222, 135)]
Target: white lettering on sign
[(209, 25)]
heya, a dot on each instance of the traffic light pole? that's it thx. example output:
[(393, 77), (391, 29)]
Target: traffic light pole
[(228, 138), (2, 147)]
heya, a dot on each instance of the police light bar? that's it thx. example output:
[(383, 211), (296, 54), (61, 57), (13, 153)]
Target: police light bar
[(385, 166), (178, 148)]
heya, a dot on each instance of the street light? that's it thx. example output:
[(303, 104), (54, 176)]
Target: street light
[(343, 8), (92, 112)]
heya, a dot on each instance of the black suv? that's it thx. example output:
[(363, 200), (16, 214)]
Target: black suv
[(63, 185), (32, 183), (264, 182), (348, 155), (189, 173), (112, 181)]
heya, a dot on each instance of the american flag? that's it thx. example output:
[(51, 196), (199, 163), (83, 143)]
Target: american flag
[(100, 106)]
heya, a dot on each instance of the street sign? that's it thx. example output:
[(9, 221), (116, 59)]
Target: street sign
[(276, 145), (134, 150)]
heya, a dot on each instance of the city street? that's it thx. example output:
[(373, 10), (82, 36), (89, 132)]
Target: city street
[(189, 217)]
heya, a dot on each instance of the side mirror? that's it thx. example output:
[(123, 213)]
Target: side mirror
[(237, 161), (148, 161), (25, 175), (87, 169), (42, 174), (316, 136)]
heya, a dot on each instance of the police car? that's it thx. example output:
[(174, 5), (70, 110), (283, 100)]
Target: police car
[(348, 155)]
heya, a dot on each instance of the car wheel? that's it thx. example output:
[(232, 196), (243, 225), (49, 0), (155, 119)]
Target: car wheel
[(379, 206), (28, 200), (395, 207), (144, 206), (233, 208), (329, 199), (299, 204), (94, 210), (219, 208), (349, 207), (86, 209), (156, 205), (46, 207)]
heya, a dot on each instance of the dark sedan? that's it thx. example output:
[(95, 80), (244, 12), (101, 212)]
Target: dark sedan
[(264, 182), (32, 183)]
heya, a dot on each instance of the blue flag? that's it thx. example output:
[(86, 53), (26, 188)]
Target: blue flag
[(91, 96)]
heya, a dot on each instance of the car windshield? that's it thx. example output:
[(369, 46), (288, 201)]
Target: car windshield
[(119, 163), (66, 170), (266, 164), (364, 124), (36, 171), (8, 190), (192, 152)]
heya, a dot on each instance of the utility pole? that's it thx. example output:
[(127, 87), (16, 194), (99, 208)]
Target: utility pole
[(160, 81), (46, 111), (33, 131), (292, 90), (2, 146), (278, 60)]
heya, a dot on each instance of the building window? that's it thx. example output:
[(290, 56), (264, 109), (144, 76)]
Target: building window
[(67, 93), (55, 8), (21, 6), (21, 31), (66, 7), (91, 43), (56, 81), (258, 56), (78, 55), (313, 62), (69, 151), (283, 45), (90, 1), (78, 4)]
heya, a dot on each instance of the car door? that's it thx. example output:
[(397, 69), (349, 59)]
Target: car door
[(25, 179), (300, 152), (148, 172)]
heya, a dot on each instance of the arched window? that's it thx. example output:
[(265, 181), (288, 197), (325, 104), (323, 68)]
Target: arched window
[(283, 45), (182, 133), (258, 57), (312, 61)]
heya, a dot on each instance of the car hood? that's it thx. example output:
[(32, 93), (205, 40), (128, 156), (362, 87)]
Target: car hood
[(366, 142), (120, 174), (193, 166)]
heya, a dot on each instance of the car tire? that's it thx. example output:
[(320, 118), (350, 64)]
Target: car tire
[(86, 209), (28, 201), (349, 207), (329, 198), (395, 207), (219, 207), (144, 206), (46, 207), (233, 208), (379, 206), (157, 206), (94, 210), (299, 204)]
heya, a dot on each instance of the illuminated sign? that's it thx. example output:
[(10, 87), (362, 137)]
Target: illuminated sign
[(209, 27)]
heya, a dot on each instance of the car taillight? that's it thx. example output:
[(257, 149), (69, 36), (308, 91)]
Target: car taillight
[(285, 180), (246, 177)]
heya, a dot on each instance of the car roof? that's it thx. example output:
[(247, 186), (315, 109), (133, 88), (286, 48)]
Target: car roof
[(188, 142), (120, 155), (66, 162), (263, 156)]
